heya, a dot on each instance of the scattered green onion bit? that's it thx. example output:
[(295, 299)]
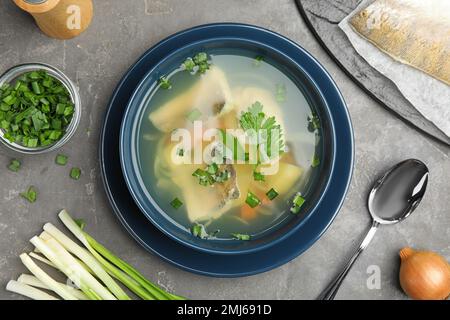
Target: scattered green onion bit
[(198, 230), (36, 110), (194, 115), (271, 194), (30, 195), (313, 123), (14, 165), (297, 203), (252, 200), (240, 236), (164, 83), (257, 61), (176, 203), (211, 175), (316, 161), (61, 159), (180, 152), (212, 168), (75, 173), (258, 176)]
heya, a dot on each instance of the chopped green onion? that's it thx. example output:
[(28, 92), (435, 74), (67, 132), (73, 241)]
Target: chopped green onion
[(75, 173), (316, 161), (176, 203), (240, 236), (313, 123), (297, 203), (252, 200), (30, 195), (61, 159), (272, 194), (258, 176), (194, 115), (212, 168), (180, 152), (32, 106), (257, 61), (14, 165), (198, 230)]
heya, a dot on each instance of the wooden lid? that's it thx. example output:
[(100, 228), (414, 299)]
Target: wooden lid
[(36, 6)]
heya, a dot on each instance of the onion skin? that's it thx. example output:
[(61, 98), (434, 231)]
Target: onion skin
[(424, 275)]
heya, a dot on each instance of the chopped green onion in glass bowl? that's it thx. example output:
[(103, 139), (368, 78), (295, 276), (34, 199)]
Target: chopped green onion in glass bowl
[(40, 108)]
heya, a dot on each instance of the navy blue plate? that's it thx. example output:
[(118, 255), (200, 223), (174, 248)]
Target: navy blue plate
[(202, 262)]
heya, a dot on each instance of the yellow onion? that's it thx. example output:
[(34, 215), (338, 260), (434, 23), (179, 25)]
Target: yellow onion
[(424, 275)]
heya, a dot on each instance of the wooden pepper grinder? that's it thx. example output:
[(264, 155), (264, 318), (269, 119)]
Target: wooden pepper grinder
[(60, 19)]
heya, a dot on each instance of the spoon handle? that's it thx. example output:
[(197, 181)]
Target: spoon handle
[(330, 292)]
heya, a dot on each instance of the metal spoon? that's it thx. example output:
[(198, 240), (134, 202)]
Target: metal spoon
[(393, 198)]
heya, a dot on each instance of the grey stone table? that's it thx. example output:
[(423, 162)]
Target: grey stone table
[(120, 33)]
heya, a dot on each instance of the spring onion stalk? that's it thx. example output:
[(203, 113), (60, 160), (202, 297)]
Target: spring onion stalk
[(48, 262), (45, 278), (118, 274), (130, 270), (88, 259), (28, 291), (72, 269), (144, 288), (35, 282), (42, 259), (94, 286)]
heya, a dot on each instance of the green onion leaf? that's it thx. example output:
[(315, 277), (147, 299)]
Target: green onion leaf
[(258, 176), (75, 173), (14, 165), (315, 162), (61, 159), (272, 194), (313, 123), (30, 195), (252, 200), (240, 236), (176, 203), (198, 230), (212, 168), (297, 203), (257, 61)]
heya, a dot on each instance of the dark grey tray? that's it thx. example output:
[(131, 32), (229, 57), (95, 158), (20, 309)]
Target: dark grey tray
[(323, 17)]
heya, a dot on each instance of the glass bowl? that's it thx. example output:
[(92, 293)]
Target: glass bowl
[(10, 75)]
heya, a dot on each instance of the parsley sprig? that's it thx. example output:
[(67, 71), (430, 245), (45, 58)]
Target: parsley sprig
[(266, 128)]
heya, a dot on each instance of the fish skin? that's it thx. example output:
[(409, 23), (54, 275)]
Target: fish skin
[(414, 32)]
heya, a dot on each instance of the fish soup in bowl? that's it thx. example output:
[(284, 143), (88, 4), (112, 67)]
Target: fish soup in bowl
[(230, 146)]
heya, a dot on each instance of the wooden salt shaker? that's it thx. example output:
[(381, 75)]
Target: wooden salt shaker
[(60, 19)]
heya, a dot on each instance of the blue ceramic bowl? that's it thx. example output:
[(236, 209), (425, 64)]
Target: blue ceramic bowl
[(294, 61)]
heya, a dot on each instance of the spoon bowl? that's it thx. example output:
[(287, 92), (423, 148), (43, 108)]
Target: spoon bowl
[(398, 192)]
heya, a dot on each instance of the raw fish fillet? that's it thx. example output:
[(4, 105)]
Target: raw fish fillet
[(414, 32)]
